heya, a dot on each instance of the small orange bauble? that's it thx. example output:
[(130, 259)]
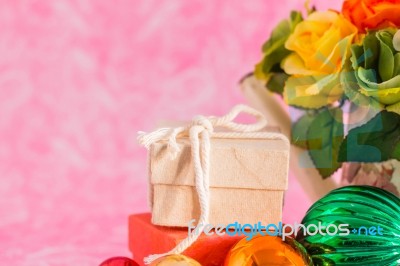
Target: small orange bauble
[(268, 250), (175, 260)]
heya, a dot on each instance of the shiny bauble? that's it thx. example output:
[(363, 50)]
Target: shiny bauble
[(119, 261), (353, 225), (267, 250)]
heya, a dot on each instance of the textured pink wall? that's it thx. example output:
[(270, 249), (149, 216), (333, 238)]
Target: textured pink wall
[(78, 79)]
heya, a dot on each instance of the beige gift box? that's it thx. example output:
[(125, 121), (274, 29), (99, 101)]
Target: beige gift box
[(247, 181)]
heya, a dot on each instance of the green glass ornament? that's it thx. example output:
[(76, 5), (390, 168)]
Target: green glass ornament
[(372, 217)]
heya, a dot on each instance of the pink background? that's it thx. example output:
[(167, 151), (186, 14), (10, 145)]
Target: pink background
[(78, 79)]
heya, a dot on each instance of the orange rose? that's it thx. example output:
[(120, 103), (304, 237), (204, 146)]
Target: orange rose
[(372, 14)]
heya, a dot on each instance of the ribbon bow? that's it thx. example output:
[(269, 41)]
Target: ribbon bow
[(203, 128)]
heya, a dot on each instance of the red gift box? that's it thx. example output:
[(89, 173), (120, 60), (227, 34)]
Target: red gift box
[(146, 238)]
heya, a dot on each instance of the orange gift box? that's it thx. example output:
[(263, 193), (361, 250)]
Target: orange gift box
[(146, 238)]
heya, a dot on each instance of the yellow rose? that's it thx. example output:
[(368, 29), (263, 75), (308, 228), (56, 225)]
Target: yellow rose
[(321, 47)]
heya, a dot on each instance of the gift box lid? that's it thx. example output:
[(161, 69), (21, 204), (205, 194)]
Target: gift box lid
[(245, 163)]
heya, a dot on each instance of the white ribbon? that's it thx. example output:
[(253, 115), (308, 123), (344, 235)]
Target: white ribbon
[(203, 128)]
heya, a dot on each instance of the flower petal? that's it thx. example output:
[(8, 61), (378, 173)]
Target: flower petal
[(396, 70), (394, 108), (385, 96), (294, 65), (297, 92), (368, 80), (396, 41), (386, 59)]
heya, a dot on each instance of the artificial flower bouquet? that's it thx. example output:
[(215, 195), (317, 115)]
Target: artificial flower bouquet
[(330, 64)]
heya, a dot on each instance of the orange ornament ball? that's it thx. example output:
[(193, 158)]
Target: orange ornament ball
[(175, 260), (268, 250)]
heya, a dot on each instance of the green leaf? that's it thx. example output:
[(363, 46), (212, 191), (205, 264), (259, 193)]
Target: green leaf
[(276, 82), (376, 141), (324, 137), (278, 38), (281, 33), (295, 18), (396, 151), (274, 51), (300, 129), (274, 59)]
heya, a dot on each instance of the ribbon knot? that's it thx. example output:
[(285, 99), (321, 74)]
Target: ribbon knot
[(204, 122), (204, 127)]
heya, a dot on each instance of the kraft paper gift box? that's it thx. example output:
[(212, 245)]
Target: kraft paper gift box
[(248, 178), (217, 171)]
